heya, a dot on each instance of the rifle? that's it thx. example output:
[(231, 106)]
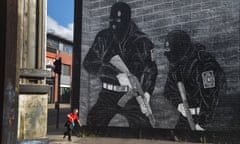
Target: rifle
[(182, 91), (136, 87)]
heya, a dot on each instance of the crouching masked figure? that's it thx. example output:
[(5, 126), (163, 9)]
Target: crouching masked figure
[(201, 75), (124, 40)]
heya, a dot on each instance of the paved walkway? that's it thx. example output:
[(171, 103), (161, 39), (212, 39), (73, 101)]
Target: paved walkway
[(56, 139), (55, 136)]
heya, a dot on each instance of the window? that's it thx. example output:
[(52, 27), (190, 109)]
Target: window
[(51, 43), (65, 95), (66, 69), (67, 48)]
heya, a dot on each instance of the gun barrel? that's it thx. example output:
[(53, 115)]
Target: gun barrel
[(185, 105)]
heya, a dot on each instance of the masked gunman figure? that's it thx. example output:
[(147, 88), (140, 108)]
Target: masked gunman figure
[(125, 41), (201, 76)]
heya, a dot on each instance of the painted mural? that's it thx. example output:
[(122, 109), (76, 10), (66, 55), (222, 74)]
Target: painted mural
[(195, 81), (127, 84), (122, 56)]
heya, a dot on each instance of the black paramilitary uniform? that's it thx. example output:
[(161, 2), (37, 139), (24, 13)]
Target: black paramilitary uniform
[(204, 82), (136, 52)]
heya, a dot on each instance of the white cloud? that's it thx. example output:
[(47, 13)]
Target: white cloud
[(55, 28)]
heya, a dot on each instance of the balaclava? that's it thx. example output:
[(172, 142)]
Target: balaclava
[(120, 18), (177, 44)]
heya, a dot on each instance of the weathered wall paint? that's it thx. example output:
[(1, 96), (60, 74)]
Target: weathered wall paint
[(9, 113), (32, 120)]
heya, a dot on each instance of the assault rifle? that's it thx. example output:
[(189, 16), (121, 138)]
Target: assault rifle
[(182, 91), (136, 88)]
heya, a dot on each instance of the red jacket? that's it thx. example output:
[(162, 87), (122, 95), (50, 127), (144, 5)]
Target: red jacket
[(72, 117)]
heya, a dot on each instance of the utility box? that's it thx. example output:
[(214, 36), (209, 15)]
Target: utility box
[(33, 105)]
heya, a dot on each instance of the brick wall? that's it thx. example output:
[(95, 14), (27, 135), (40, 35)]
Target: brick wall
[(214, 23)]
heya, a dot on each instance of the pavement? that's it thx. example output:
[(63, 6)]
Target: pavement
[(55, 135), (101, 140)]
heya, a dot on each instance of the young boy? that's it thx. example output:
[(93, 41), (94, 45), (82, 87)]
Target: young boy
[(72, 117)]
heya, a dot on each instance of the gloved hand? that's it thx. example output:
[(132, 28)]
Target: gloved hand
[(124, 80), (193, 111), (147, 97), (141, 100), (180, 108), (199, 128)]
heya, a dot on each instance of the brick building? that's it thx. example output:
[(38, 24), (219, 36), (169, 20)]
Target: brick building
[(58, 47), (213, 23)]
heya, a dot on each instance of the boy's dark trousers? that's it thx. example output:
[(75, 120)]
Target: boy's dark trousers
[(69, 131)]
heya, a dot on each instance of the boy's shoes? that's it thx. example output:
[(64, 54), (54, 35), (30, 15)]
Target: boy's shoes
[(69, 139)]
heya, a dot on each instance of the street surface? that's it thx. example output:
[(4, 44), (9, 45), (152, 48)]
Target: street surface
[(55, 135)]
